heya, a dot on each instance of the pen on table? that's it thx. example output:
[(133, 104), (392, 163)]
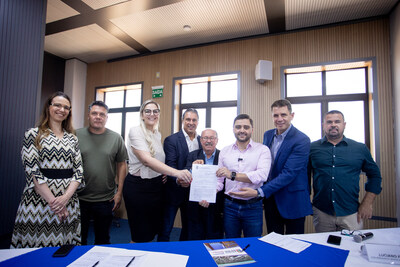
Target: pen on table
[(95, 264), (130, 262), (246, 247)]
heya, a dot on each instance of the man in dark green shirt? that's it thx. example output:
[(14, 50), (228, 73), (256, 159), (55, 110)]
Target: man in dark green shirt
[(335, 164), (104, 160)]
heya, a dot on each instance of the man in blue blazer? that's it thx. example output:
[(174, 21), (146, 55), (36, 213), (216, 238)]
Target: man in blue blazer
[(286, 192), (177, 147)]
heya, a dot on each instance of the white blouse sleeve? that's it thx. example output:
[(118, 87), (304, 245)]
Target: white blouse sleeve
[(137, 139)]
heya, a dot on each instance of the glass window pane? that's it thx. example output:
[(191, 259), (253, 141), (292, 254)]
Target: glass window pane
[(133, 98), (132, 119), (224, 90), (114, 99), (304, 84), (114, 122), (353, 112), (194, 93), (307, 118), (345, 82), (202, 119), (222, 122)]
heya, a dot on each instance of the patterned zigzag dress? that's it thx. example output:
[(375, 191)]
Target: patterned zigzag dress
[(36, 225)]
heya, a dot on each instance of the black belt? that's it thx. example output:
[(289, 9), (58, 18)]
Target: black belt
[(242, 201), (57, 173)]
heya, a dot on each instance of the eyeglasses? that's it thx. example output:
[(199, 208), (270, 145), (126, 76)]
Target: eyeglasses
[(350, 233), (60, 106), (149, 111), (206, 138)]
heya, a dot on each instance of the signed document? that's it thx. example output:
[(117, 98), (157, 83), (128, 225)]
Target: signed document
[(204, 183)]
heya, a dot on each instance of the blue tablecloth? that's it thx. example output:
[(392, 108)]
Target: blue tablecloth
[(264, 254)]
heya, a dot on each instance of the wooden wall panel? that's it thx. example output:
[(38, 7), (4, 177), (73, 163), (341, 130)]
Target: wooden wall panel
[(330, 44)]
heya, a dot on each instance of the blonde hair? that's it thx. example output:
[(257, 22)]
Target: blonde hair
[(147, 133)]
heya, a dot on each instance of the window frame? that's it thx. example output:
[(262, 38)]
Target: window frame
[(177, 107), (123, 110), (370, 99)]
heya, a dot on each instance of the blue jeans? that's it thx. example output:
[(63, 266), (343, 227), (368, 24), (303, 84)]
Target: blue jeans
[(246, 217)]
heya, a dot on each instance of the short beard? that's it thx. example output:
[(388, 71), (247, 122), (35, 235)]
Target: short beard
[(337, 136), (243, 141)]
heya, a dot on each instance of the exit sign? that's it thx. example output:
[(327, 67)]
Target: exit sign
[(157, 91)]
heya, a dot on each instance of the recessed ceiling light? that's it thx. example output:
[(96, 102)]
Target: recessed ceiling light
[(187, 28)]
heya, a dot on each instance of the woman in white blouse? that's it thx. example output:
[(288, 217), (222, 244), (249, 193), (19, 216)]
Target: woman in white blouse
[(144, 182)]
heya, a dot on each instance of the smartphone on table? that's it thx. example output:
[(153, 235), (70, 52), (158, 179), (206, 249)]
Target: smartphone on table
[(334, 239), (63, 250)]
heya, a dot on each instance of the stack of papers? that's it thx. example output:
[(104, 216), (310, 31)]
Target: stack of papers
[(285, 242), (100, 256)]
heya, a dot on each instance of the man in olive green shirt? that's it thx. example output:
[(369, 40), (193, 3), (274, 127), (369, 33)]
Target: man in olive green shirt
[(104, 158)]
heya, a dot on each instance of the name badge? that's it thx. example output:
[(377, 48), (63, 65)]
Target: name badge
[(382, 253)]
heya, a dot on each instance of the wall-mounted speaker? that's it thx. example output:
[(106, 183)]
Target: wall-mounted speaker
[(263, 71)]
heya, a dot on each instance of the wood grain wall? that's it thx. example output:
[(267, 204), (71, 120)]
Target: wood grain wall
[(330, 44)]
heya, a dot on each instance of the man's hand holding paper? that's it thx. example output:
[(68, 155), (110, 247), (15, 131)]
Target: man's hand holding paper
[(204, 183)]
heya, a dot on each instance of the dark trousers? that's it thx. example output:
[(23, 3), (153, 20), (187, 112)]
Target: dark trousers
[(101, 213), (204, 223), (143, 203), (169, 214), (276, 223)]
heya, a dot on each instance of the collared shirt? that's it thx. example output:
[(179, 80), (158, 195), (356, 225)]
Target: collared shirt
[(277, 142), (254, 161), (192, 144), (209, 161), (336, 174)]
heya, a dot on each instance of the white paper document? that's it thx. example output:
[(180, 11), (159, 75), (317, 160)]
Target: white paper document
[(285, 242), (114, 257), (204, 183)]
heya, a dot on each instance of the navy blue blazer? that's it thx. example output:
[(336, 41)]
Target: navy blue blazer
[(288, 179), (176, 152), (198, 154)]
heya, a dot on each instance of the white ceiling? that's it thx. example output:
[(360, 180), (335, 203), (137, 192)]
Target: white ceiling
[(96, 30)]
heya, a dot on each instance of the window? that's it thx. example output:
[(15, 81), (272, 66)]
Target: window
[(124, 103), (315, 90), (215, 99)]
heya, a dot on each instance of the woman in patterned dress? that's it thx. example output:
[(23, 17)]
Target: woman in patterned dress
[(49, 214)]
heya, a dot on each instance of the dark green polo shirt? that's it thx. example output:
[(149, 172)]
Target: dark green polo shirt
[(336, 174)]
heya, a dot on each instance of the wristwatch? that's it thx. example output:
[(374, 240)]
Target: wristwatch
[(233, 176)]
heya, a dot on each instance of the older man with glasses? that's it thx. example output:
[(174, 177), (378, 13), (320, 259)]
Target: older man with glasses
[(205, 219)]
